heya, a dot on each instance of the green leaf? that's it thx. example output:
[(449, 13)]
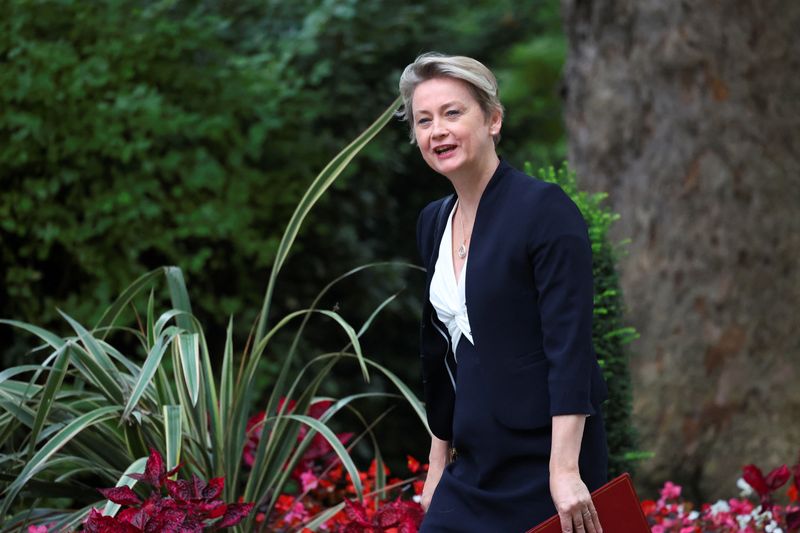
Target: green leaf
[(39, 461), (173, 434), (106, 321), (97, 363), (337, 446), (189, 351), (146, 375), (54, 381), (136, 467), (179, 296), (53, 340), (320, 184)]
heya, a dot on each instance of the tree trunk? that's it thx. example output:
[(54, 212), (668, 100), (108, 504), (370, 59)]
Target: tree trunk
[(688, 114)]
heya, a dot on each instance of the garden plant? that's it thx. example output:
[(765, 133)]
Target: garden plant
[(89, 412)]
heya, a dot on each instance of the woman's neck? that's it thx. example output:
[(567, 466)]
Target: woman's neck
[(470, 186)]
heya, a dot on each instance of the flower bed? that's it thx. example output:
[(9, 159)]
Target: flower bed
[(755, 510)]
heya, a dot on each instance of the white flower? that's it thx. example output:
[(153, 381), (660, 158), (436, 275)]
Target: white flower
[(720, 507), (744, 487), (772, 527), (694, 515), (417, 498), (743, 520)]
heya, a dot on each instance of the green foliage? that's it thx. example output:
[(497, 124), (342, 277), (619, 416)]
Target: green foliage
[(101, 407), (139, 134), (609, 333)]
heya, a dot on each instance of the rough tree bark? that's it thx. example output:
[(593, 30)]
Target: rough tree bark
[(688, 114)]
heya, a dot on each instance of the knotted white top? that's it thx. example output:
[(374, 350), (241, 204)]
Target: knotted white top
[(447, 296)]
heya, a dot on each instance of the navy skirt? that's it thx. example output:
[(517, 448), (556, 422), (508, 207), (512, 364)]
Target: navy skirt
[(499, 481)]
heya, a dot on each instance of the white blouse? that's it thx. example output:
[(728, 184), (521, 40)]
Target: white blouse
[(446, 295)]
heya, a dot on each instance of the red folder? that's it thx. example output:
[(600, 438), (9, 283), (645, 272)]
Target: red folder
[(617, 506)]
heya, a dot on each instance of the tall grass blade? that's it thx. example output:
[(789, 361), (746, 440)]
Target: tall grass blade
[(314, 192), (110, 315), (173, 433), (53, 340), (189, 351), (98, 362), (146, 375), (54, 381), (179, 296)]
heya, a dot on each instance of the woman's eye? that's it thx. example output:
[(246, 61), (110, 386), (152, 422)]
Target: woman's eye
[(452, 112), (423, 121)]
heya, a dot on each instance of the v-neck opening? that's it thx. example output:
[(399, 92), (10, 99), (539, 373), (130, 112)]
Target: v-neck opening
[(458, 278)]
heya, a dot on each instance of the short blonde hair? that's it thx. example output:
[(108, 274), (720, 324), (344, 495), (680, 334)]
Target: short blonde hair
[(480, 80)]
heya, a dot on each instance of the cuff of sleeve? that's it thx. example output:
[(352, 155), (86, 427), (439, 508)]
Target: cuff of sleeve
[(570, 398)]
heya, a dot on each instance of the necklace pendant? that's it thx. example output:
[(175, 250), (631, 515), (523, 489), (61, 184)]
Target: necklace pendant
[(462, 251)]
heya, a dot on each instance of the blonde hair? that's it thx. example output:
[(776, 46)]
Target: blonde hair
[(480, 80)]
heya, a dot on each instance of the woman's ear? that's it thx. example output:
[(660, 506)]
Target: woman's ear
[(495, 123)]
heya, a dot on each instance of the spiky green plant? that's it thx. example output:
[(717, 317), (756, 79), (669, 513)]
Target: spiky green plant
[(91, 410)]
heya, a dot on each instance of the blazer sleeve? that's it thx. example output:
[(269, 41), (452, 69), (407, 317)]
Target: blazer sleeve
[(560, 253)]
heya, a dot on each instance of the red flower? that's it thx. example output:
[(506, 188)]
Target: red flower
[(318, 449), (401, 516), (765, 486), (649, 507)]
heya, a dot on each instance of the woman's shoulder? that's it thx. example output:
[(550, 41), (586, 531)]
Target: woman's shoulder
[(546, 197), (544, 208)]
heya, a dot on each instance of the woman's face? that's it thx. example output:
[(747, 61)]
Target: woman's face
[(453, 134)]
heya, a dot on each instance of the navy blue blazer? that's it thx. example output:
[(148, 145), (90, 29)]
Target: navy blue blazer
[(529, 296)]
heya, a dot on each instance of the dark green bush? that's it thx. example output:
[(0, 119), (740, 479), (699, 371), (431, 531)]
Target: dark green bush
[(608, 331)]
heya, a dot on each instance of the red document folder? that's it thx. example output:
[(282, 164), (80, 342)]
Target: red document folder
[(617, 507)]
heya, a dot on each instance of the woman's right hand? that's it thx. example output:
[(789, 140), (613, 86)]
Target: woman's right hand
[(431, 481)]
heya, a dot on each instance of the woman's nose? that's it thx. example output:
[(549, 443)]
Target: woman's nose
[(439, 129)]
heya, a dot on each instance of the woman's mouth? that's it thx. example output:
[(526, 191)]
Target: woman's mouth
[(444, 150)]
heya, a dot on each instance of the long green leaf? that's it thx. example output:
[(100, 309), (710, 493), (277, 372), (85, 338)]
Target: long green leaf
[(173, 433), (323, 516), (337, 446), (189, 351), (136, 467), (40, 458), (54, 381), (103, 370), (368, 322), (179, 296), (320, 184), (9, 373), (146, 375), (53, 340), (106, 321)]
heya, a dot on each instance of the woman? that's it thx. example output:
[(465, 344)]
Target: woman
[(512, 385)]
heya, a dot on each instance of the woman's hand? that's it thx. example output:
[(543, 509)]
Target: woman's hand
[(573, 503), (437, 460), (570, 495), (431, 481)]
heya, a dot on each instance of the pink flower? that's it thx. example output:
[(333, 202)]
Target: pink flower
[(309, 481), (37, 529), (740, 507), (297, 512), (671, 491)]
